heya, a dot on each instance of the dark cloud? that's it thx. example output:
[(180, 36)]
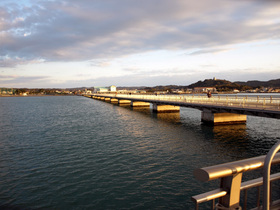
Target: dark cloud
[(20, 81), (85, 30), (184, 77), (12, 61)]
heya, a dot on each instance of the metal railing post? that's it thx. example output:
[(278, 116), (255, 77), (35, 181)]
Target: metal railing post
[(259, 196), (266, 177), (232, 184)]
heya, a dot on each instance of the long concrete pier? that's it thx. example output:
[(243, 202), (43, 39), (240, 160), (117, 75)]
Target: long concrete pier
[(215, 110)]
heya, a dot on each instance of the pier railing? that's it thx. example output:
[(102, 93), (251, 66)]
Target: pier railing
[(229, 101), (230, 175)]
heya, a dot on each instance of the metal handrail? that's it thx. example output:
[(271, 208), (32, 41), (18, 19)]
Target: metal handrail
[(230, 175), (266, 177), (248, 102), (218, 193)]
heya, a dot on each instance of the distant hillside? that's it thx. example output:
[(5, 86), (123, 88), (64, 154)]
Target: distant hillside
[(255, 84), (220, 85), (155, 88), (131, 88)]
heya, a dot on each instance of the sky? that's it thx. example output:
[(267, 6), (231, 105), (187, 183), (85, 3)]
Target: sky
[(87, 43)]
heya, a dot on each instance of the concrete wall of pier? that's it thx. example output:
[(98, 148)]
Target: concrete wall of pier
[(209, 117)]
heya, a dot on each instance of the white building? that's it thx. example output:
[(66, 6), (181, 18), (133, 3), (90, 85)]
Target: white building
[(112, 88)]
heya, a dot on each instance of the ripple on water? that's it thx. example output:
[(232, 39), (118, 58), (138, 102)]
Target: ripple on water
[(74, 152)]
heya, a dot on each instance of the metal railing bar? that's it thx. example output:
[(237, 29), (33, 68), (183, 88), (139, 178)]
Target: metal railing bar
[(217, 193), (259, 196), (208, 196), (266, 177), (245, 199), (229, 169), (258, 182)]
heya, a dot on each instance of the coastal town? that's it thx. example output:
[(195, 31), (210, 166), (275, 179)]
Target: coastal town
[(213, 85)]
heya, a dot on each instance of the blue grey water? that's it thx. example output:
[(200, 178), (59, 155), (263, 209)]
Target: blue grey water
[(78, 153)]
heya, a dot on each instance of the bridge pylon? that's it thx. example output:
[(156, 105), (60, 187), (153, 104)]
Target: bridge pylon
[(210, 117)]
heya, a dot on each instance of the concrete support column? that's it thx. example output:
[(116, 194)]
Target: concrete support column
[(139, 104), (165, 108), (114, 101), (124, 102), (207, 116)]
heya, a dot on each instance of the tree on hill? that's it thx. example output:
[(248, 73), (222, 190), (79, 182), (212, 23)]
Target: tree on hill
[(257, 84)]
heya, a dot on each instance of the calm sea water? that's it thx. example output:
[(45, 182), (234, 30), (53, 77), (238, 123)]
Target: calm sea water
[(78, 153)]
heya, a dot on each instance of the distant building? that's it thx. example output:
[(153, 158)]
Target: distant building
[(112, 88), (135, 91), (126, 91), (7, 91), (204, 89), (87, 91), (100, 89), (177, 91), (141, 91)]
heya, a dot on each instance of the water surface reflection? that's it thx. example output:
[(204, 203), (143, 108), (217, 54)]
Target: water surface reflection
[(169, 117)]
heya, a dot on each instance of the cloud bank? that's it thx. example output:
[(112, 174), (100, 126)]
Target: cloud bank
[(43, 31)]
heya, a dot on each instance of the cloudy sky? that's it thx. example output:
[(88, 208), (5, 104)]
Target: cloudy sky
[(70, 43)]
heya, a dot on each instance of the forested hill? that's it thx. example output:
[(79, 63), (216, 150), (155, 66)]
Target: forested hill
[(220, 85), (211, 83), (224, 84), (255, 84)]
